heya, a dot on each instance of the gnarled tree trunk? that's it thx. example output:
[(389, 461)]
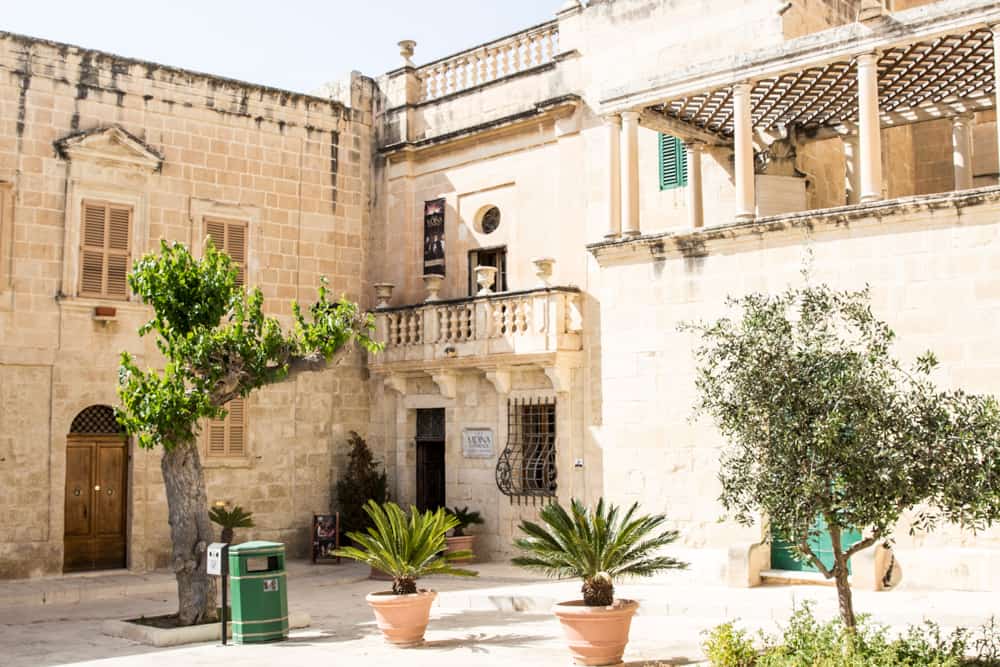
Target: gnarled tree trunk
[(191, 532)]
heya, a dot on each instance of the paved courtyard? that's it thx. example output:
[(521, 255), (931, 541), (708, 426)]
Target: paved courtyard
[(500, 618)]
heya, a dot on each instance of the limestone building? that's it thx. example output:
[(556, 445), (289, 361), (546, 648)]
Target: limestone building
[(529, 219)]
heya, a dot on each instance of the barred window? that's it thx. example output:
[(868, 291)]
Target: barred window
[(527, 466)]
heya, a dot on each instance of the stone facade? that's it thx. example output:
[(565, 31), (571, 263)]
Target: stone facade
[(294, 167), (536, 125)]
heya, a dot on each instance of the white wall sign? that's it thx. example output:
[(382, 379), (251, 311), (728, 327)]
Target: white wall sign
[(477, 443)]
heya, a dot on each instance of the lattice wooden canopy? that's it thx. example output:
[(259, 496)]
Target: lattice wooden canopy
[(952, 68)]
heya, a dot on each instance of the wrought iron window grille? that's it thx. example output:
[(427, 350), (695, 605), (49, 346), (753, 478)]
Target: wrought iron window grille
[(527, 466)]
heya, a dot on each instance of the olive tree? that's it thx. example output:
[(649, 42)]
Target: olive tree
[(822, 421), (218, 345)]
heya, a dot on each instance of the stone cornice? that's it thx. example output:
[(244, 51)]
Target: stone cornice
[(553, 109), (696, 243)]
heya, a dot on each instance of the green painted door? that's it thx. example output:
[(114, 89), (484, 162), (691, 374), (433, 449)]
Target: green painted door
[(782, 557)]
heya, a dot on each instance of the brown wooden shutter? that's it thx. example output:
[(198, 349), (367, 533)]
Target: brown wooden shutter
[(105, 250), (227, 436), (119, 232), (231, 238), (92, 252), (237, 428)]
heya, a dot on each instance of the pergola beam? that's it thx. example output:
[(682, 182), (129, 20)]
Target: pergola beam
[(684, 131), (921, 114)]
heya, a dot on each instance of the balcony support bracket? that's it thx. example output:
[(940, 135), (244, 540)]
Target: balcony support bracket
[(500, 379), (447, 382), (559, 376), (396, 383)]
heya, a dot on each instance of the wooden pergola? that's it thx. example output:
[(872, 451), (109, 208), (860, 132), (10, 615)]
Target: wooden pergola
[(932, 62), (935, 78)]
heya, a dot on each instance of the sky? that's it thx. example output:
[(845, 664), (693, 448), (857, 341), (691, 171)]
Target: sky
[(292, 44)]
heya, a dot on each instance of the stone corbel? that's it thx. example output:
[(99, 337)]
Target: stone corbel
[(500, 379), (396, 383), (559, 376), (447, 383)]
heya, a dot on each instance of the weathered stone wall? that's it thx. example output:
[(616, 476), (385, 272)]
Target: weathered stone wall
[(931, 273), (295, 167)]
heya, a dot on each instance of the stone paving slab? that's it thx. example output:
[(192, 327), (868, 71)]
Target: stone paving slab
[(473, 623), (83, 588)]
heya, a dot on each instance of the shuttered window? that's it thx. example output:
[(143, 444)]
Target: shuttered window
[(105, 250), (673, 163), (226, 437), (230, 236)]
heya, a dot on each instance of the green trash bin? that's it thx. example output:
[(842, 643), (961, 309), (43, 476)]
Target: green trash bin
[(259, 595)]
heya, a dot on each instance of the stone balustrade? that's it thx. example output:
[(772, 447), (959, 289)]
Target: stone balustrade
[(489, 62), (535, 321)]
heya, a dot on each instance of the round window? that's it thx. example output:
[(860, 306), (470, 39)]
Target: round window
[(490, 220)]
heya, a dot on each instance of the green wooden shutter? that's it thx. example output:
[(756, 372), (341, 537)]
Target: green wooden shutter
[(673, 163)]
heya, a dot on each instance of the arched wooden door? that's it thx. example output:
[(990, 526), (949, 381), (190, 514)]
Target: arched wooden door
[(96, 492)]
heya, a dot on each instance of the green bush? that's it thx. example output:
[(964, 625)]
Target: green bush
[(808, 642), (728, 646)]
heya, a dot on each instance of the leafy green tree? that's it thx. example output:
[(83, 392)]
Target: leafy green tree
[(599, 546), (821, 421), (218, 345), (406, 547)]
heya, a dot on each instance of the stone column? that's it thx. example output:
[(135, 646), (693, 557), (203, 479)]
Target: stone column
[(852, 168), (614, 126), (630, 173), (961, 150), (996, 75), (695, 200), (743, 143), (869, 128)]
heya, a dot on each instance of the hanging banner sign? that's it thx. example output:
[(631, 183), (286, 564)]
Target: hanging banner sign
[(434, 236)]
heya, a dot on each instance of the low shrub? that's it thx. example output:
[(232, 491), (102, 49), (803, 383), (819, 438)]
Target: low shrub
[(729, 646), (808, 642)]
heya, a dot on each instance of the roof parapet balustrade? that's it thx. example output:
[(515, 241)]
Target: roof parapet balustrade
[(531, 322), (488, 62)]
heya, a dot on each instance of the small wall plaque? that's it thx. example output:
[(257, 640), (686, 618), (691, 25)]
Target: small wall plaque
[(477, 443)]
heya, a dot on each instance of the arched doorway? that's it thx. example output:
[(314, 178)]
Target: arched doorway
[(96, 491)]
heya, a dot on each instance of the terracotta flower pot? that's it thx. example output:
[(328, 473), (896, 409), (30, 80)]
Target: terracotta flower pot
[(461, 543), (402, 618), (596, 635)]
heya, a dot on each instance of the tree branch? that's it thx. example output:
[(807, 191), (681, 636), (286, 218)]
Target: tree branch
[(804, 546), (864, 544)]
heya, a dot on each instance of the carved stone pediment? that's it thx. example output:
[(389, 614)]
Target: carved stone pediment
[(112, 145)]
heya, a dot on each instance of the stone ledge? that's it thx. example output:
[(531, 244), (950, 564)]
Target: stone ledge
[(161, 637), (694, 243)]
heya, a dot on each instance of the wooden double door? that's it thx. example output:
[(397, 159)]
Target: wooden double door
[(96, 491)]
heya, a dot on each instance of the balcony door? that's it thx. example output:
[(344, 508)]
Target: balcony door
[(495, 257)]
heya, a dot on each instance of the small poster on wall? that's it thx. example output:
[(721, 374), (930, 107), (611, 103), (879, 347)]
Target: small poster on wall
[(477, 443), (434, 236)]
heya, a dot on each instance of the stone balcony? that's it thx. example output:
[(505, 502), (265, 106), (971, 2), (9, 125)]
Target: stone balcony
[(493, 334)]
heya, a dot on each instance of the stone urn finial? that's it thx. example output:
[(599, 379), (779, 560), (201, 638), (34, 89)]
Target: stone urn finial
[(543, 270), (406, 48), (383, 294), (485, 277), (432, 282)]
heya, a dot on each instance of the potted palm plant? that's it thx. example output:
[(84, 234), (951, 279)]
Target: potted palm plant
[(458, 540), (600, 546), (406, 548), (230, 519)]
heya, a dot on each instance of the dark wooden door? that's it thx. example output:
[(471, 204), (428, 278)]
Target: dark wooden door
[(96, 478), (430, 475)]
